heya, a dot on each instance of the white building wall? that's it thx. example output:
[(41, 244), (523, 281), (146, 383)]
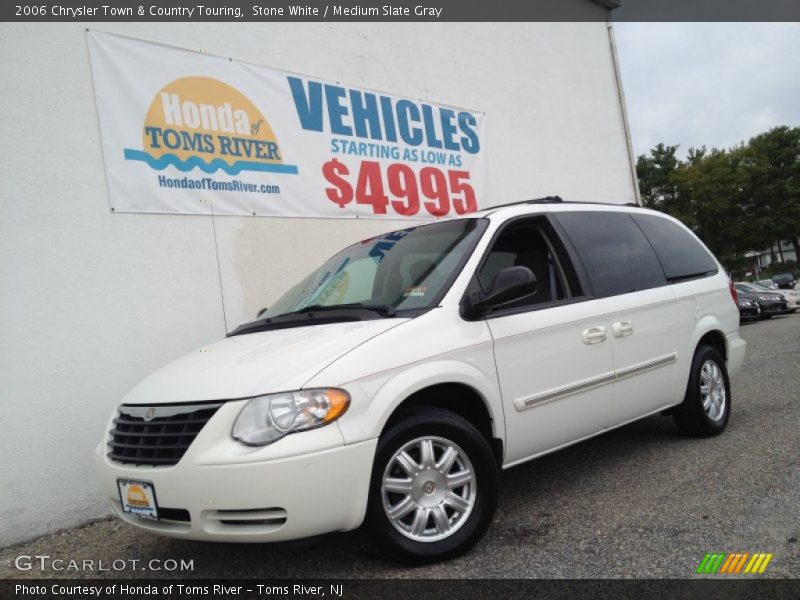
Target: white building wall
[(93, 301)]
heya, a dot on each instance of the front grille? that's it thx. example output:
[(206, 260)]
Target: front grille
[(157, 435)]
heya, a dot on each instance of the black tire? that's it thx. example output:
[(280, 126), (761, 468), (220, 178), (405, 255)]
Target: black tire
[(449, 427), (691, 416)]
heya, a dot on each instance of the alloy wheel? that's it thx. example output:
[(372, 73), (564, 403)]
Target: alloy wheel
[(428, 489), (712, 390)]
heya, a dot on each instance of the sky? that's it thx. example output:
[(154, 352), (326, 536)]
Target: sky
[(712, 84)]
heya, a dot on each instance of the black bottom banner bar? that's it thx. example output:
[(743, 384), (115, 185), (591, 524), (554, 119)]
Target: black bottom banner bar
[(416, 589)]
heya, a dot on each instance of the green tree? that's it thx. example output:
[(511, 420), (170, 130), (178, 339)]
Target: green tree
[(709, 199), (655, 173), (772, 203), (736, 200)]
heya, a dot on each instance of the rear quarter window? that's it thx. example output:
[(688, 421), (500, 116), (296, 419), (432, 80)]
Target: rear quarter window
[(681, 255), (616, 254)]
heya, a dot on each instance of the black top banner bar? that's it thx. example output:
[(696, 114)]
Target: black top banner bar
[(398, 10)]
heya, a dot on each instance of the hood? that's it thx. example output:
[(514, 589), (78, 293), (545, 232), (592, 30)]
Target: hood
[(255, 363)]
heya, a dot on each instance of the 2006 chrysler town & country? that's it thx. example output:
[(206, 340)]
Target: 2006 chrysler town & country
[(393, 383)]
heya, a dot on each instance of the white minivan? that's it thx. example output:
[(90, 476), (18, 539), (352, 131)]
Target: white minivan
[(390, 386)]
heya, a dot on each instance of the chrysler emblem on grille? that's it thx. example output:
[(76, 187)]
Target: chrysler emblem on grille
[(151, 412)]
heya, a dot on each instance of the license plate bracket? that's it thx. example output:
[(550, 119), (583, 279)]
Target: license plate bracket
[(138, 498)]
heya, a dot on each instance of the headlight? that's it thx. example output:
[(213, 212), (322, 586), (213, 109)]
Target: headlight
[(770, 298), (743, 302), (266, 419)]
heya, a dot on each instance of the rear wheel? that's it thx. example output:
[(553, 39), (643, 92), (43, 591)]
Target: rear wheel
[(434, 488), (706, 407)]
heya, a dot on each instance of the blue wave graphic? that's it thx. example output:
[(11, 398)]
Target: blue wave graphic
[(159, 164)]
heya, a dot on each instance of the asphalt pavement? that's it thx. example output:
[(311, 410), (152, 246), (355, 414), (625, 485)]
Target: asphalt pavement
[(642, 501)]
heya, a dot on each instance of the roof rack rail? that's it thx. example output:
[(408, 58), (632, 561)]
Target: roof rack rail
[(545, 200), (559, 200)]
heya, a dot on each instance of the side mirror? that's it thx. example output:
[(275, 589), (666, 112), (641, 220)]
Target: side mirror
[(508, 285), (261, 312)]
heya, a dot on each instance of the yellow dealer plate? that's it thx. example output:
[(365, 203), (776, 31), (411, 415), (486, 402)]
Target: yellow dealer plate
[(138, 498)]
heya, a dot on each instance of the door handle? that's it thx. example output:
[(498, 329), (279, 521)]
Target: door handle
[(594, 335), (622, 329)]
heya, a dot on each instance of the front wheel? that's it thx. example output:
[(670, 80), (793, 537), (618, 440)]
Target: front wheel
[(434, 488), (706, 407)]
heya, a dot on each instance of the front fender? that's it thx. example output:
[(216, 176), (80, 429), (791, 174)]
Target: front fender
[(374, 399)]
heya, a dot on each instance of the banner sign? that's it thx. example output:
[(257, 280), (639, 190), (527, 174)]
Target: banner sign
[(190, 133)]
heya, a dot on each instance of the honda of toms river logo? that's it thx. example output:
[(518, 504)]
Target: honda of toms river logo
[(203, 123), (735, 562), (137, 497)]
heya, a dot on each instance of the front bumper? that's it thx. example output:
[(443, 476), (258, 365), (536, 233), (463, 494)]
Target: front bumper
[(749, 312), (223, 491), (793, 302), (772, 308)]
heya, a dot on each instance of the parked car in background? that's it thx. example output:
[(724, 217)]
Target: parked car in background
[(785, 281), (792, 299), (749, 310), (792, 296), (770, 302)]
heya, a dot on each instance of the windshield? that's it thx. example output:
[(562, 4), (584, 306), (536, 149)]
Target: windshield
[(404, 270)]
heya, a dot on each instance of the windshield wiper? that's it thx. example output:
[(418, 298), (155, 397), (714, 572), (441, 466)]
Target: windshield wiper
[(382, 309), (313, 315)]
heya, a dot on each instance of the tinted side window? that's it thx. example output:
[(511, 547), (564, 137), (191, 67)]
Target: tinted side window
[(680, 254), (617, 255)]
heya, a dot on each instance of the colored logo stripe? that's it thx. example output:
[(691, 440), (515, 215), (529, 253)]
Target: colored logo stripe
[(758, 563), (192, 162), (711, 562), (731, 563)]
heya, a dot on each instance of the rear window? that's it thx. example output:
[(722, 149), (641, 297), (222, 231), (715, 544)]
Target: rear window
[(681, 255), (615, 252)]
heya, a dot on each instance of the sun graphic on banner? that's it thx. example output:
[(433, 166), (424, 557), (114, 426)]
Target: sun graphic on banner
[(204, 123)]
